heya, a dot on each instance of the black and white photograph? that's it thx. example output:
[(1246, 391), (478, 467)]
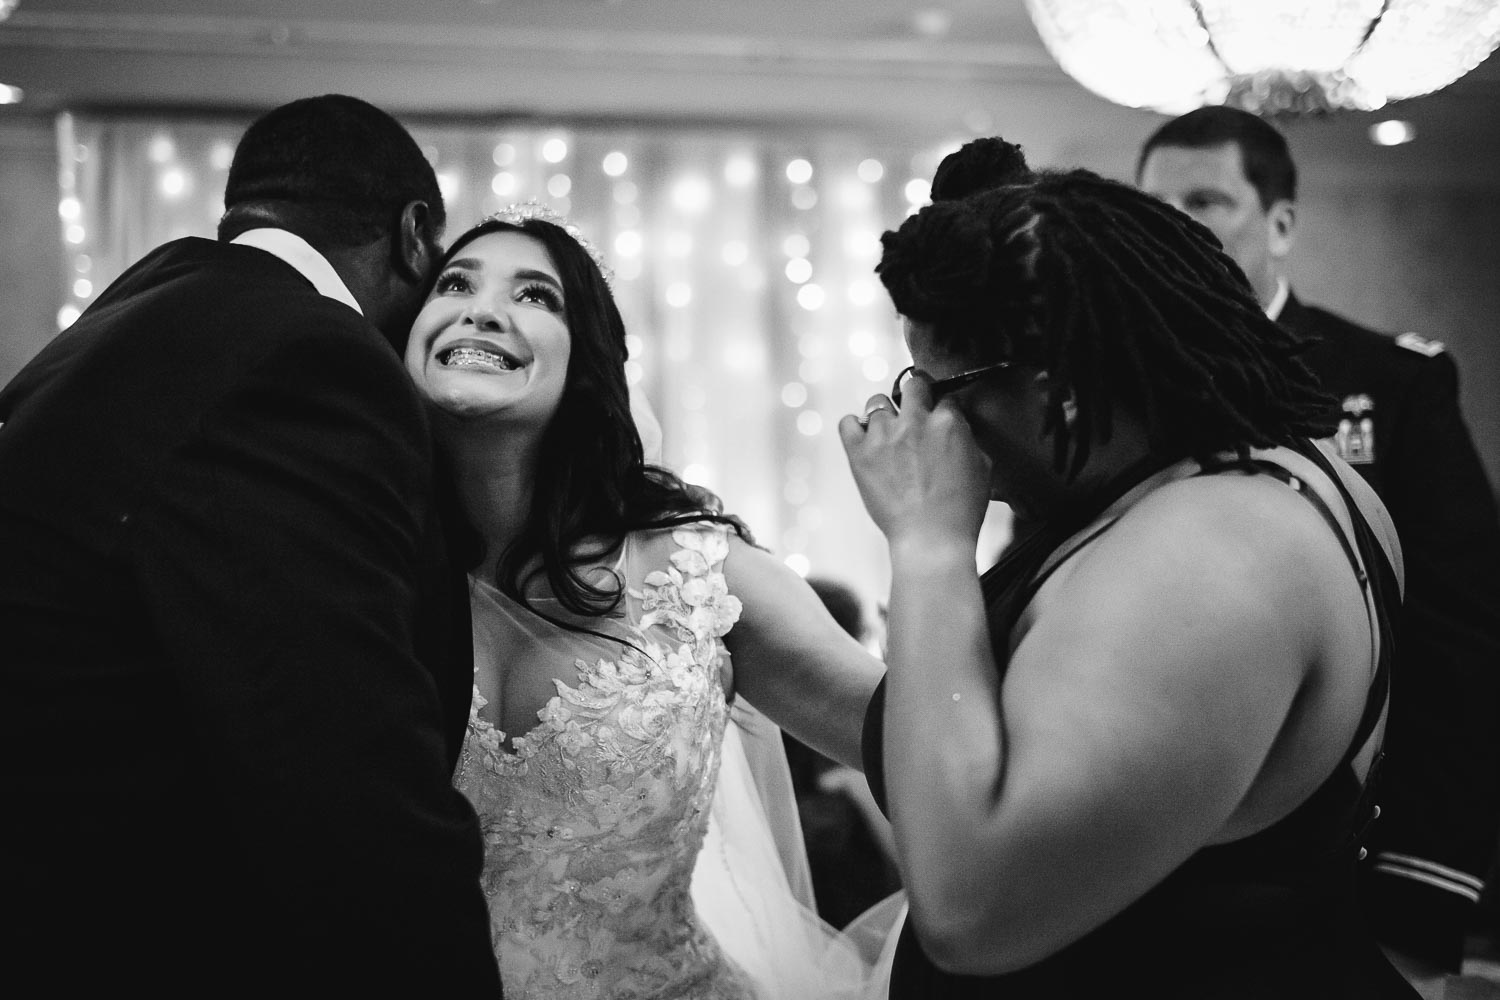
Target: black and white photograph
[(763, 500)]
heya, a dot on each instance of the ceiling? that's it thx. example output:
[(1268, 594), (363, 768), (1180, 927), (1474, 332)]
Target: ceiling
[(953, 69)]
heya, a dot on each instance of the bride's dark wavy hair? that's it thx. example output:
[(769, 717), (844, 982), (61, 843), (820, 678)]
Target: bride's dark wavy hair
[(592, 486), (1120, 297)]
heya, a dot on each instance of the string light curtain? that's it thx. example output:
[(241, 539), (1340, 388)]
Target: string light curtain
[(1266, 56), (744, 270)]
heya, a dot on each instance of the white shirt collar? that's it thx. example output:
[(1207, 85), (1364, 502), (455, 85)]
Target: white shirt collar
[(1278, 301), (299, 254)]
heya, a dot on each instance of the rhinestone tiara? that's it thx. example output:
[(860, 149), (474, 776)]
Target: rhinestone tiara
[(521, 211)]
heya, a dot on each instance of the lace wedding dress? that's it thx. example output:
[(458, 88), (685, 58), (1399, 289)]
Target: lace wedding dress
[(593, 821)]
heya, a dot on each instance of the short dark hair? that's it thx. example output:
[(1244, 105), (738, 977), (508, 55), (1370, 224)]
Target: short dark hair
[(1119, 297), (334, 169), (1264, 155), (592, 485)]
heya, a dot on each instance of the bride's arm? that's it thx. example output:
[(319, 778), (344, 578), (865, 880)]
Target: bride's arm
[(792, 660)]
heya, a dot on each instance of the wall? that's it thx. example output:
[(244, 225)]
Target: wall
[(1398, 249), (1412, 257), (31, 256)]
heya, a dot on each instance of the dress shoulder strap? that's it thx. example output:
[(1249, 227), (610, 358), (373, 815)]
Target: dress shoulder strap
[(1368, 559), (1106, 519)]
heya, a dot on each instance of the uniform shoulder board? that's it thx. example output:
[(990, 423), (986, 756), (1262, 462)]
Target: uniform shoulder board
[(1420, 344)]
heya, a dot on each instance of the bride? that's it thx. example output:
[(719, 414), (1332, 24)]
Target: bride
[(620, 621)]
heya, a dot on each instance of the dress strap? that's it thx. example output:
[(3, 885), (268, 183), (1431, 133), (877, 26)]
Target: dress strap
[(1377, 588), (1361, 553), (1265, 467), (1134, 488), (1069, 548), (1385, 593), (1382, 591)]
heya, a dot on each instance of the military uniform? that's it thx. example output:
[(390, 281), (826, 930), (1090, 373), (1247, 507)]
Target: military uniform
[(1401, 428)]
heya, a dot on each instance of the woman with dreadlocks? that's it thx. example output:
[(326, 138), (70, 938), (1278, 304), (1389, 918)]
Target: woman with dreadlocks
[(1136, 755)]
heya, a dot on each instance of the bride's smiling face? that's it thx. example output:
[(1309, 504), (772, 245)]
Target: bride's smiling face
[(492, 338)]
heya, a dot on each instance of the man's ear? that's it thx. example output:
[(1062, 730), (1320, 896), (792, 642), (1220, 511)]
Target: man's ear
[(1281, 226), (413, 253)]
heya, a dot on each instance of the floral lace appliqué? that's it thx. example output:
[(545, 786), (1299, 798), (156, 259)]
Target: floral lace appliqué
[(593, 823)]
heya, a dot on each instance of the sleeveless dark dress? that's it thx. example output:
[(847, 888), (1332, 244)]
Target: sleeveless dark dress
[(1273, 915)]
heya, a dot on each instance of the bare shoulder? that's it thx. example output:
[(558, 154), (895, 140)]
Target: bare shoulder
[(1208, 602), (779, 606), (1243, 524), (1233, 548), (747, 558), (759, 576)]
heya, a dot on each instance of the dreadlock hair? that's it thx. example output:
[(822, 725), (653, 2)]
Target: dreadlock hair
[(1124, 300), (592, 484), (978, 165)]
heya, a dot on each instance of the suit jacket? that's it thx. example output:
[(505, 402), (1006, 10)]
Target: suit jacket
[(237, 666), (1400, 426)]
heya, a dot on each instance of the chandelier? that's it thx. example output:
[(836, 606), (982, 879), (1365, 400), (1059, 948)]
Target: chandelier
[(1266, 56)]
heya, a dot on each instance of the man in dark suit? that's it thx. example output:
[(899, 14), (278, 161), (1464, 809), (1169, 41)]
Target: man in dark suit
[(1400, 425), (237, 668)]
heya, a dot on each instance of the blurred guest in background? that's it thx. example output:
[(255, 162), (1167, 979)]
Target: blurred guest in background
[(849, 846), (1135, 757), (1399, 424)]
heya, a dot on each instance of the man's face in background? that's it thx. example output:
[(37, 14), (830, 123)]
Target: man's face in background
[(1209, 184)]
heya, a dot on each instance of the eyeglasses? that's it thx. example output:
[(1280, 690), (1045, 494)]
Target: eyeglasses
[(943, 385)]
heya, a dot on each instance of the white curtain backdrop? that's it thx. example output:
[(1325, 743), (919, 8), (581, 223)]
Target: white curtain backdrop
[(744, 270)]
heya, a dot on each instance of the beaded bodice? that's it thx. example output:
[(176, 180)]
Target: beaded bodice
[(593, 820)]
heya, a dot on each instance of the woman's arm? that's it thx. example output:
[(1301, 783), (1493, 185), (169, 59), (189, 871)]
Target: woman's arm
[(1135, 715), (1137, 711), (792, 660)]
